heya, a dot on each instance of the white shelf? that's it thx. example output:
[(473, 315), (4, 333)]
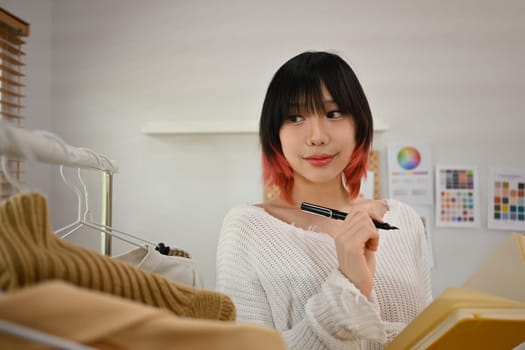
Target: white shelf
[(218, 127), (380, 125), (201, 127)]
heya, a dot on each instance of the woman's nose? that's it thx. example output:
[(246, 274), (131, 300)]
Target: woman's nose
[(317, 133)]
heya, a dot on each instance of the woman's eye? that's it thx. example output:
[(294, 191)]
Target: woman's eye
[(295, 118), (334, 114)]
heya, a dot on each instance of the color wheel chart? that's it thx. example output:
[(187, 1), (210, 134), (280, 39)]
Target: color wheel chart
[(408, 158), (457, 198), (410, 173), (507, 199)]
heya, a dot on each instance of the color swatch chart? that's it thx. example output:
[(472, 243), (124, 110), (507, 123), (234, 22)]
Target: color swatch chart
[(457, 198), (507, 208), (457, 179), (509, 202)]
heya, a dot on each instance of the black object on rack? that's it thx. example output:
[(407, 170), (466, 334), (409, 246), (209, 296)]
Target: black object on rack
[(163, 249)]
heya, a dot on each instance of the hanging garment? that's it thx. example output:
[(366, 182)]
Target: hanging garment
[(166, 250), (179, 252), (107, 322), (31, 253), (175, 268)]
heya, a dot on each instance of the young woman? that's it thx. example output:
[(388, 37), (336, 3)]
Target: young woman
[(323, 283)]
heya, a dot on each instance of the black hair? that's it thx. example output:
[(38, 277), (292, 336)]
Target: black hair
[(298, 81)]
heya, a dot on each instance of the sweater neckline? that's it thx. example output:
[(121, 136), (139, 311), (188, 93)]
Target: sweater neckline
[(311, 232)]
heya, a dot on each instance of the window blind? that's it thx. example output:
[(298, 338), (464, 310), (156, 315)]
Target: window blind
[(12, 29)]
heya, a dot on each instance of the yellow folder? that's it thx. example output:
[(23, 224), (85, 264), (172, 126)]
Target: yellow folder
[(464, 318)]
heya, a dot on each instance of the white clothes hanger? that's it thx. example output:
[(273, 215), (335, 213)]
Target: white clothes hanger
[(83, 221), (109, 230), (114, 233), (40, 337), (95, 226), (76, 224), (79, 202), (98, 158)]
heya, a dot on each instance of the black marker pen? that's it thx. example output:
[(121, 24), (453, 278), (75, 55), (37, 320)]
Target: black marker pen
[(339, 215)]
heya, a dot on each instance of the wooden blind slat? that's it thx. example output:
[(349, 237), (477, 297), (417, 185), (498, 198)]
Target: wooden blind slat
[(11, 71), (10, 115), (10, 104), (8, 36), (10, 93), (11, 49), (10, 59), (10, 82)]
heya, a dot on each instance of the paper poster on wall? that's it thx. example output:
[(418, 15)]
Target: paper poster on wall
[(506, 204), (457, 196), (425, 212), (410, 173)]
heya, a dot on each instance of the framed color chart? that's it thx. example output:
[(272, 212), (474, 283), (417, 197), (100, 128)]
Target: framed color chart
[(410, 173), (506, 199), (457, 196)]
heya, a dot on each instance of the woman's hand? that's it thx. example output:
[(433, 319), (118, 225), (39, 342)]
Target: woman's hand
[(376, 209), (356, 243)]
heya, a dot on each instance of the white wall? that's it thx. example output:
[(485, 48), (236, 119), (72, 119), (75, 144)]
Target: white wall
[(449, 74)]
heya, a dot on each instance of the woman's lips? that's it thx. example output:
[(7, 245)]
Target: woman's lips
[(320, 160)]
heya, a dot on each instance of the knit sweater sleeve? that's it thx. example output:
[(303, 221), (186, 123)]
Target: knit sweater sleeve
[(343, 318), (336, 316), (236, 273)]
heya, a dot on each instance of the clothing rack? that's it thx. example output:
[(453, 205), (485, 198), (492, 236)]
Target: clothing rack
[(45, 147)]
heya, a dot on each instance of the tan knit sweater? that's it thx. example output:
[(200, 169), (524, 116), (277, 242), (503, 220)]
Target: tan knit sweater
[(31, 253), (106, 322)]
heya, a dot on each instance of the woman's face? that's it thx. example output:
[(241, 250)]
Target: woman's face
[(318, 145)]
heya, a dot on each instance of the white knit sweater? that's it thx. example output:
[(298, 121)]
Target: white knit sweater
[(287, 278)]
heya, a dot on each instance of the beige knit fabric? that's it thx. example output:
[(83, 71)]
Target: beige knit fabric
[(105, 322), (31, 253)]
